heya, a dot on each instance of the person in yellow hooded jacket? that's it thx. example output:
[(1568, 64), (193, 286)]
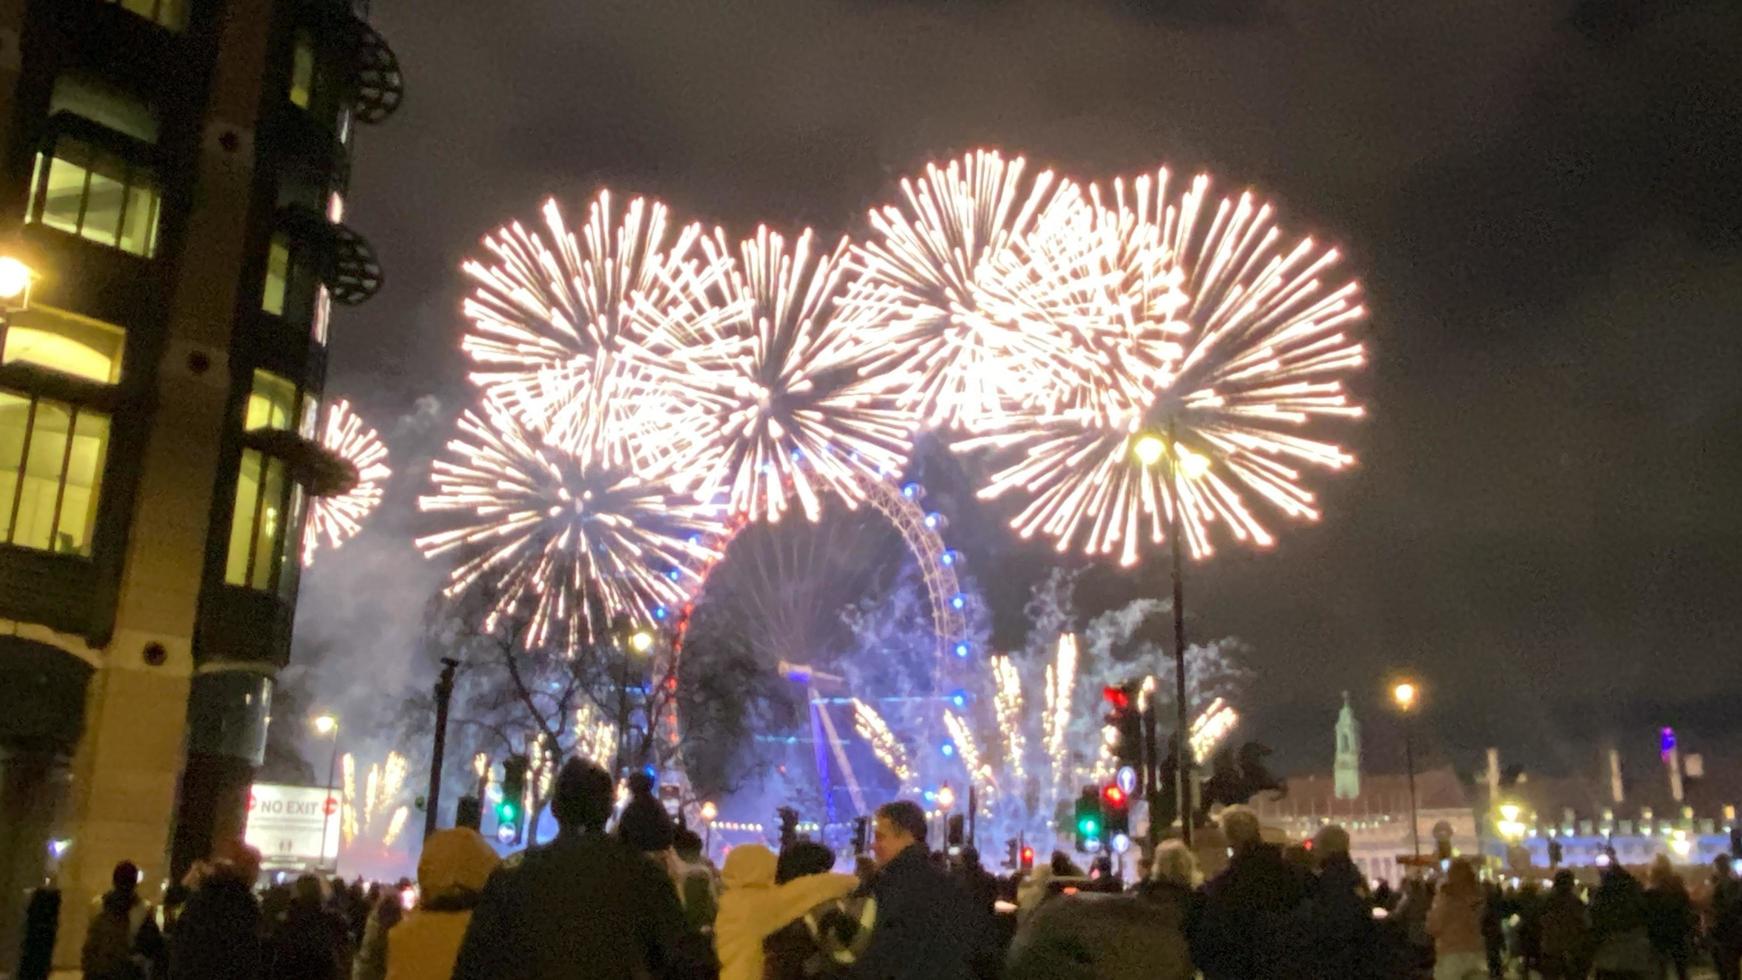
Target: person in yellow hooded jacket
[(450, 876), (753, 907)]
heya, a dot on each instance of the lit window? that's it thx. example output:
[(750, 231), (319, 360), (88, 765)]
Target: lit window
[(91, 192), (335, 207), (277, 276), (302, 70), (74, 345), (271, 404), (51, 472), (171, 14), (257, 524)]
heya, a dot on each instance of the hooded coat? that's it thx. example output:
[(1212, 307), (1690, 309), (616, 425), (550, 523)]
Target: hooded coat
[(450, 876), (753, 907)]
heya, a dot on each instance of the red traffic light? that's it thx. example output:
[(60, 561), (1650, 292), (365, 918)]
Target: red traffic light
[(1113, 795), (1028, 859), (1117, 697)]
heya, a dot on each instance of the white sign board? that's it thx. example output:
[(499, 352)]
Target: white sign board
[(293, 825)]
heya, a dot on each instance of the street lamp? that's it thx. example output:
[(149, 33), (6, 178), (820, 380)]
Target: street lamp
[(709, 812), (327, 726), (1405, 695), (1150, 449), (15, 281), (638, 641)]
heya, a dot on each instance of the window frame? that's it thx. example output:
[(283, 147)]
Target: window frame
[(74, 409), (170, 15), (289, 495), (100, 144)]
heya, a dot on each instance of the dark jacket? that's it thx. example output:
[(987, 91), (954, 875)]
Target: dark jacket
[(1103, 937), (1342, 940), (1248, 930), (582, 906), (1670, 920), (311, 943), (1726, 913), (217, 936), (926, 927), (41, 921)]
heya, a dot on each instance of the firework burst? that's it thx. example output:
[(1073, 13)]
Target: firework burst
[(549, 532), (376, 812), (888, 749), (334, 520), (1262, 344), (1061, 686), (951, 322), (580, 336), (1007, 702), (784, 413)]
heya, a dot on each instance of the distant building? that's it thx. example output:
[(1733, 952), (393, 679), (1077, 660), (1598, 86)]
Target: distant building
[(1375, 808)]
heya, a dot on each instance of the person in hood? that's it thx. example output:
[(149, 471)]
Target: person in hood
[(1455, 922), (450, 878), (754, 907), (583, 907), (1342, 938)]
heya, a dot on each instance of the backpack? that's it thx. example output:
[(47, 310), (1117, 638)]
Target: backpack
[(108, 950)]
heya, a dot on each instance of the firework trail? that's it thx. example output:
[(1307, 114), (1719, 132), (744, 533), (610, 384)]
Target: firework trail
[(1007, 703), (377, 812), (785, 415), (1061, 683), (888, 749), (545, 529), (979, 773), (334, 520), (953, 327), (1262, 345), (576, 335), (595, 736)]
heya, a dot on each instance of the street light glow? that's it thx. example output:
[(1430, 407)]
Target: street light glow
[(946, 797), (1404, 694), (326, 724), (641, 641), (15, 277), (709, 812)]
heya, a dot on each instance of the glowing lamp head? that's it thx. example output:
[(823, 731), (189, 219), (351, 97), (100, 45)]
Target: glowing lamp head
[(946, 797), (709, 812), (326, 724), (641, 641), (1405, 694), (1149, 449), (15, 278), (1509, 811)]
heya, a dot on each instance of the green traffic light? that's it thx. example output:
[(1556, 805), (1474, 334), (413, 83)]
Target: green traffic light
[(1089, 828)]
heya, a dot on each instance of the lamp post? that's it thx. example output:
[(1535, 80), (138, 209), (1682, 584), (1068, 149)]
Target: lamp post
[(327, 725), (1150, 450), (946, 799), (1404, 695), (638, 641), (709, 812)]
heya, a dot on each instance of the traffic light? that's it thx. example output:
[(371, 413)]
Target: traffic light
[(1115, 810), (860, 826), (1124, 731), (1027, 860), (510, 810), (955, 833), (788, 826), (1089, 823)]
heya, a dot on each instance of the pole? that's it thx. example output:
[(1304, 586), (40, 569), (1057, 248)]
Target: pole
[(622, 705), (708, 841), (1182, 719), (444, 692), (338, 807), (1409, 765)]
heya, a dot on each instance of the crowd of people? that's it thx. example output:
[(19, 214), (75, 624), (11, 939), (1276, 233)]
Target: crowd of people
[(642, 901)]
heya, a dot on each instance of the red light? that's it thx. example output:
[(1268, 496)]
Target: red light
[(1113, 795), (1027, 857), (1116, 697)]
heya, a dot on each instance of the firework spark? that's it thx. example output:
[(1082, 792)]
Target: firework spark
[(785, 413), (595, 735), (334, 520), (1007, 702), (1262, 345), (888, 749), (953, 325), (377, 812), (1061, 683), (1211, 727), (546, 529), (576, 335), (968, 746)]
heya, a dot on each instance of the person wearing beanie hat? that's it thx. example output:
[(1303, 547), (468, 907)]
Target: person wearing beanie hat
[(450, 878)]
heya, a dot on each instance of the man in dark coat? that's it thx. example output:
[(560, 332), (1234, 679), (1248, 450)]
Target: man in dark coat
[(1248, 930), (218, 935), (1342, 938), (926, 926), (583, 906), (1724, 923)]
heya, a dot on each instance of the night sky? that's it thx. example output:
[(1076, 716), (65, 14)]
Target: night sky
[(1544, 201)]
